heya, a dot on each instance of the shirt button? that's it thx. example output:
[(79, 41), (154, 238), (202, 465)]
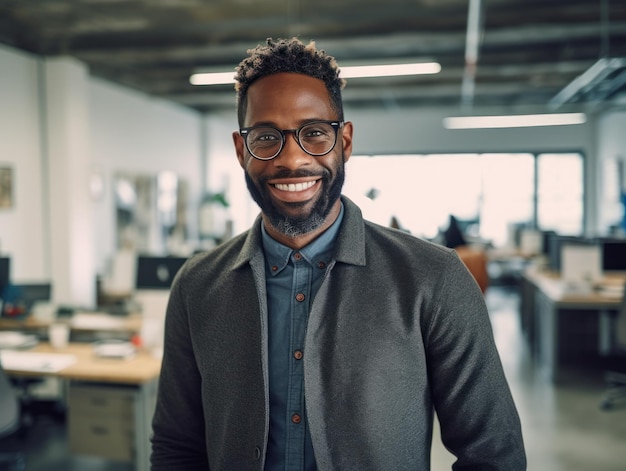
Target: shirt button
[(274, 268), (257, 453), (296, 418), (297, 256), (321, 265), (298, 354), (300, 297)]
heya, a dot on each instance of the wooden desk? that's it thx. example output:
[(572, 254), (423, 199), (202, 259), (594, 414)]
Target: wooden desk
[(102, 394), (27, 323), (564, 327), (130, 323)]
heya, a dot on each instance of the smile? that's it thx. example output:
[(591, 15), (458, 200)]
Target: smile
[(295, 186)]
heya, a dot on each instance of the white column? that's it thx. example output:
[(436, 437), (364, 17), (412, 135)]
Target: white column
[(69, 166)]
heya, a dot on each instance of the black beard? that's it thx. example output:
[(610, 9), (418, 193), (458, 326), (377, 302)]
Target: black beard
[(295, 226)]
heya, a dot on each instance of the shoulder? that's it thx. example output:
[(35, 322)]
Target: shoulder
[(402, 256), (392, 242), (214, 262)]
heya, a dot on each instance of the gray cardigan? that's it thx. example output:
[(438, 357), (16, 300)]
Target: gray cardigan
[(398, 330)]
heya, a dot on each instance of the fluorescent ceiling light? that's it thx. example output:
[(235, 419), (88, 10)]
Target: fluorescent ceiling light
[(390, 70), (514, 121), (359, 71), (212, 78)]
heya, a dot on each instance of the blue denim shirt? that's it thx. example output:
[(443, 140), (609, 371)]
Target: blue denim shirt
[(293, 278)]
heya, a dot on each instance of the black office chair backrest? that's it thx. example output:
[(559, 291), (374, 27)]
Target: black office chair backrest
[(9, 406)]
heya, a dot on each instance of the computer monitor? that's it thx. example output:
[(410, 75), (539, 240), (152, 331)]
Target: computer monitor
[(545, 243), (613, 254), (157, 272), (19, 299), (581, 264), (555, 248), (5, 273), (531, 242)]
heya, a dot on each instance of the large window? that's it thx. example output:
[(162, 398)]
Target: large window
[(560, 192), (490, 193)]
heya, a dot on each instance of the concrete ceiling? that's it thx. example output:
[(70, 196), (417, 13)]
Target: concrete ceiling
[(528, 50)]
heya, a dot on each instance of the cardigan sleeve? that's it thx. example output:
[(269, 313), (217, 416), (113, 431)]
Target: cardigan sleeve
[(479, 420), (178, 439)]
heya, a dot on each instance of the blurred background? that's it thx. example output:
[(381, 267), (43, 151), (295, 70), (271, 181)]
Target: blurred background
[(115, 168)]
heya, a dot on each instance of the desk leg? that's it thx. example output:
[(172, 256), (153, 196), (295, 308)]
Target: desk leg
[(145, 401), (606, 334), (547, 336)]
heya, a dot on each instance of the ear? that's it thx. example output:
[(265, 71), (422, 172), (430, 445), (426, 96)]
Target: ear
[(240, 147), (346, 133)]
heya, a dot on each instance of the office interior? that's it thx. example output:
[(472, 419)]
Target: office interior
[(76, 145)]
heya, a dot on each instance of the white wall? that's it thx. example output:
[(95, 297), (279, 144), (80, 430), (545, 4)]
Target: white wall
[(22, 232), (611, 150), (65, 159), (224, 171), (136, 134), (124, 131), (420, 130)]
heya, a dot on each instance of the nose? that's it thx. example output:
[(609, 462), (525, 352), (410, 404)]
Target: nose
[(292, 155)]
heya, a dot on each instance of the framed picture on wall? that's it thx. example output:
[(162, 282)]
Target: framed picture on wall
[(6, 187)]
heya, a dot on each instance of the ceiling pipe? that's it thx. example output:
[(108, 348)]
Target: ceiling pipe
[(605, 19), (472, 43)]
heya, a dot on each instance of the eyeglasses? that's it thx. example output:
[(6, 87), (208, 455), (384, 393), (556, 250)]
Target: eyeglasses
[(316, 138)]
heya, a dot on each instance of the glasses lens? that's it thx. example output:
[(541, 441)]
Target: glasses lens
[(264, 143), (317, 138)]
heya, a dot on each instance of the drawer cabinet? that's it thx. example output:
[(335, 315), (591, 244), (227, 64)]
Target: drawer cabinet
[(101, 421)]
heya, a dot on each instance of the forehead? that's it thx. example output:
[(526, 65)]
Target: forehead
[(288, 97)]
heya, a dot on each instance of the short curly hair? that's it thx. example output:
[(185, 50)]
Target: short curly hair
[(287, 55)]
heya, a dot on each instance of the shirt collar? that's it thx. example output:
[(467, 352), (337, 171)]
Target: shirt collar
[(277, 255)]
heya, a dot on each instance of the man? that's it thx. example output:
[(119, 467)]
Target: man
[(318, 340)]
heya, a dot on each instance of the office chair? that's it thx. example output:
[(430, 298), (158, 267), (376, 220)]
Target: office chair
[(9, 423), (615, 363)]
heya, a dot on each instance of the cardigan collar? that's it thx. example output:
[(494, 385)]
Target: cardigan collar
[(349, 247)]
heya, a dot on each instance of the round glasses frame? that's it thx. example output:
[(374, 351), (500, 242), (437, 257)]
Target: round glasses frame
[(245, 132)]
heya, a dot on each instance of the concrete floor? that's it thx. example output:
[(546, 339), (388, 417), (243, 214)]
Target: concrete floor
[(564, 429)]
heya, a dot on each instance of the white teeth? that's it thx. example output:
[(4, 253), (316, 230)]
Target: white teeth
[(295, 186)]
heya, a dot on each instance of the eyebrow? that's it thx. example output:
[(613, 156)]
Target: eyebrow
[(302, 122)]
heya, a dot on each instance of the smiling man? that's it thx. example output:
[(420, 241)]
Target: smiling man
[(317, 339)]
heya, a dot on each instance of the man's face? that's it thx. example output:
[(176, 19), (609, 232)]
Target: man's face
[(295, 191)]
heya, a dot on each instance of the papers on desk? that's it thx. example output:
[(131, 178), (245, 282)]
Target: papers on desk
[(114, 349), (17, 340), (35, 361)]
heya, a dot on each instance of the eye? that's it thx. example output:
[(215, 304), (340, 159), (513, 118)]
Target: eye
[(267, 137), (316, 131), (264, 136)]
